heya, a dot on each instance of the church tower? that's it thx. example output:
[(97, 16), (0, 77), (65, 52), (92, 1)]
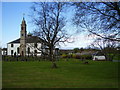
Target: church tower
[(23, 33)]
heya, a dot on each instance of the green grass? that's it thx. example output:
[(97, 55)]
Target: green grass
[(117, 57), (69, 74), (0, 74)]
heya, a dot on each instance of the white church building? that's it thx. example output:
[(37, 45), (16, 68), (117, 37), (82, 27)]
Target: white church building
[(26, 44)]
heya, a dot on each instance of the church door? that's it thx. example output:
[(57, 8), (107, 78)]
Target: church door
[(22, 53)]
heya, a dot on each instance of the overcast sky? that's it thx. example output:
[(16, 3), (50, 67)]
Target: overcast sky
[(12, 14)]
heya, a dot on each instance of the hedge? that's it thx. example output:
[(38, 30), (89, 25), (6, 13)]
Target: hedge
[(76, 56)]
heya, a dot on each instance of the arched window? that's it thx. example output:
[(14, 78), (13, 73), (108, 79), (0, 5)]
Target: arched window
[(11, 52), (21, 28), (11, 45), (22, 53), (35, 51), (28, 50), (18, 50), (35, 45), (22, 34)]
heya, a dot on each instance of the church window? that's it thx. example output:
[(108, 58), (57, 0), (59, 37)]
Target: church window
[(22, 53), (11, 45), (21, 34), (35, 45), (22, 28), (18, 51), (11, 52), (35, 51), (28, 50)]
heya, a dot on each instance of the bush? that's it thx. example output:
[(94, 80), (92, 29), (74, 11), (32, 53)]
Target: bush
[(86, 56), (73, 55), (64, 55), (76, 56), (82, 56)]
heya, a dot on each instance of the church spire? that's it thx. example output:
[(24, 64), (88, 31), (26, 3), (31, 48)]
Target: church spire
[(23, 15), (23, 21), (23, 34)]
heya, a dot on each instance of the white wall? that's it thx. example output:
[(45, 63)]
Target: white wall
[(98, 58), (14, 48), (4, 52), (32, 48), (30, 45)]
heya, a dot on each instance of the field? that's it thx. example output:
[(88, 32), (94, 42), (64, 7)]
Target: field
[(69, 74)]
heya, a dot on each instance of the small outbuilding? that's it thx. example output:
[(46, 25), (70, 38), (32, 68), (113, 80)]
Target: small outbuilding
[(99, 56), (4, 51)]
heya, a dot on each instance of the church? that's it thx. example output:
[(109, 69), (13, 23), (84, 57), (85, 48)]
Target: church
[(25, 45)]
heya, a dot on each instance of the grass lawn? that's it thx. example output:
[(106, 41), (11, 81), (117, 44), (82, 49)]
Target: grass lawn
[(70, 74), (0, 74)]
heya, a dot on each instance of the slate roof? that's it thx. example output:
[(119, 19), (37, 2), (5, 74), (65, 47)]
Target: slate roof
[(15, 41), (29, 39), (4, 49)]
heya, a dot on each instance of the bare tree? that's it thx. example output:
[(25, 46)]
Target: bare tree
[(107, 47), (50, 22), (99, 18)]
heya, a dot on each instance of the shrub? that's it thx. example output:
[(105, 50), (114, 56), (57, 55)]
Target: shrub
[(81, 56), (86, 56), (73, 55), (64, 55), (78, 57)]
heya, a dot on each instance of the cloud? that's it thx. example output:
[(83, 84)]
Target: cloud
[(80, 40)]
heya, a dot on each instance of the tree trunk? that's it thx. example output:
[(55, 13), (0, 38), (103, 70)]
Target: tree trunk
[(54, 65), (51, 54), (106, 57), (52, 59)]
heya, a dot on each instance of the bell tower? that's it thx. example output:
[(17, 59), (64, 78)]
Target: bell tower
[(23, 33)]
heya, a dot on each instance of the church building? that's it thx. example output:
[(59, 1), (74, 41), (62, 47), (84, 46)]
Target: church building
[(25, 45)]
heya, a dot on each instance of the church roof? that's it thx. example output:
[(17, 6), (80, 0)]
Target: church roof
[(15, 41), (29, 39)]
